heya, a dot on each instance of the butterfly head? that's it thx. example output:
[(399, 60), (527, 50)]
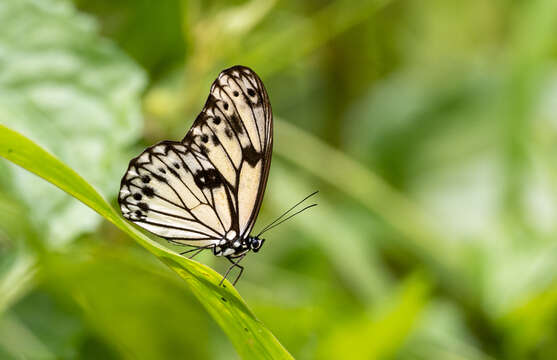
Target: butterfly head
[(255, 243)]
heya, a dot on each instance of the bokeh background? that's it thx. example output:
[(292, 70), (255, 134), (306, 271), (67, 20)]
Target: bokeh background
[(429, 127)]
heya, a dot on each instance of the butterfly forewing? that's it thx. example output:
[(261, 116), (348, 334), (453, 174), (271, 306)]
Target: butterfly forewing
[(209, 186)]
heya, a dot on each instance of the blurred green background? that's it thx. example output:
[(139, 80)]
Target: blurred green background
[(429, 127)]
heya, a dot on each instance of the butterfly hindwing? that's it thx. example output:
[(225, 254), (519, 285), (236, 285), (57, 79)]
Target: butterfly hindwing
[(209, 186), (160, 194)]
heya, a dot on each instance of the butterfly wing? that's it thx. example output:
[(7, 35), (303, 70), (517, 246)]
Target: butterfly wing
[(210, 186), (238, 116)]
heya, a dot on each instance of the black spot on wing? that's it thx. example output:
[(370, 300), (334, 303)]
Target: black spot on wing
[(145, 179), (250, 155), (174, 172), (207, 179), (236, 124), (148, 191), (143, 206), (159, 178)]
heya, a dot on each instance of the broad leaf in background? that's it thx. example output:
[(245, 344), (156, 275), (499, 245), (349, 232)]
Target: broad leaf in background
[(72, 92)]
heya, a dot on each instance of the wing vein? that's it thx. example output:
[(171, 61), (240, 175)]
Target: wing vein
[(252, 113)]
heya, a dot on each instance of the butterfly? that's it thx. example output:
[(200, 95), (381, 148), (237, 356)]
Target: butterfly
[(206, 190)]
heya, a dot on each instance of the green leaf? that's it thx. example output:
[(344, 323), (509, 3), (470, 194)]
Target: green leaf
[(250, 337), (74, 93)]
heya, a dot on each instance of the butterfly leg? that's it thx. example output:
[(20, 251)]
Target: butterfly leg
[(234, 264), (239, 274)]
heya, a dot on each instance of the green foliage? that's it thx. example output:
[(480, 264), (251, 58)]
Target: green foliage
[(388, 331), (152, 35), (428, 127), (72, 92)]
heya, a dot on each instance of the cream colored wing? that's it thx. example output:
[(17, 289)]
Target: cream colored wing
[(210, 186), (171, 192)]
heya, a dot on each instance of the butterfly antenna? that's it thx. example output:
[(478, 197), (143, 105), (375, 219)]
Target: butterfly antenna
[(289, 217), (269, 226)]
